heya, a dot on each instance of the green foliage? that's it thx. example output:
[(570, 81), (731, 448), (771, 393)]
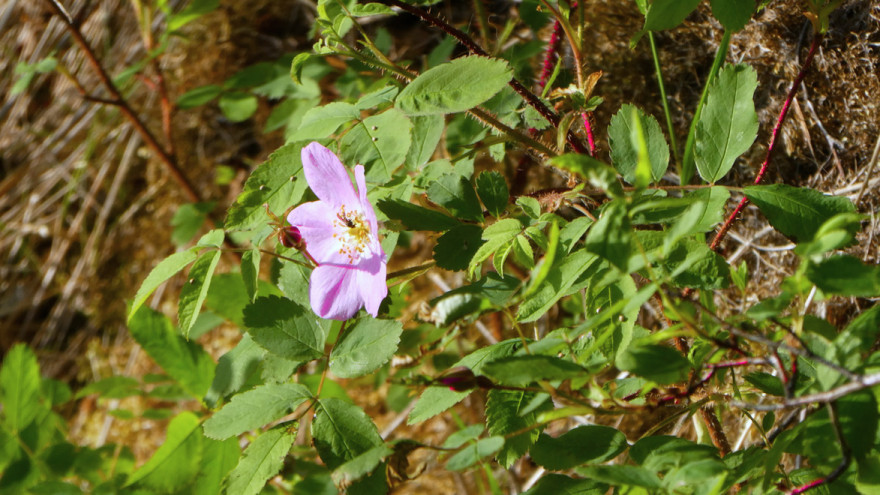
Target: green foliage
[(667, 14), (733, 14), (796, 212), (379, 142), (255, 408), (279, 182), (19, 388), (285, 328), (364, 347), (262, 459), (455, 86), (624, 133), (185, 361), (729, 124), (578, 446)]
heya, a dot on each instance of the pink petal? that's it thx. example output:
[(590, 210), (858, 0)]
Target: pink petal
[(333, 292), (371, 283), (315, 223), (366, 207), (327, 176)]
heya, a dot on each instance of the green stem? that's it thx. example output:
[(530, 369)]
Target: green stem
[(664, 100), (688, 166)]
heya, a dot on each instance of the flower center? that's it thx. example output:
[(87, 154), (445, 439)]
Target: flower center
[(352, 232)]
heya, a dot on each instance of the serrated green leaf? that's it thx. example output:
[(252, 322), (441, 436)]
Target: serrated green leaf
[(20, 387), (455, 86), (297, 65), (250, 272), (625, 143), (845, 276), (733, 14), (278, 182), (234, 368), (557, 284), (187, 221), (522, 370), (611, 236), (377, 98), (342, 431), (692, 264), (255, 408), (591, 443), (530, 206), (435, 400), (667, 14), (166, 269), (557, 484), (213, 239), (415, 217), (199, 96), (321, 122), (176, 462), (184, 361), (472, 453), (285, 328), (457, 247), (496, 236), (729, 124), (379, 142), (238, 106), (361, 465), (795, 211), (262, 459), (426, 134), (622, 475), (598, 174), (660, 364), (218, 459), (456, 194), (193, 293), (765, 382), (493, 192), (504, 415), (367, 9), (364, 347)]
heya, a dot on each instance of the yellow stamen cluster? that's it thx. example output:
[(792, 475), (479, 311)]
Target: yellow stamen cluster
[(352, 232)]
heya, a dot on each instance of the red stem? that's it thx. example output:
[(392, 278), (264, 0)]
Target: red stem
[(550, 55), (817, 40), (589, 130)]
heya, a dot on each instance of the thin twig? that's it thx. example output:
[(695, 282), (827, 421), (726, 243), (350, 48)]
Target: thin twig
[(530, 98), (119, 101), (860, 383)]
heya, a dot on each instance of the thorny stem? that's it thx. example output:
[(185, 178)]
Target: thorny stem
[(550, 55), (589, 130), (473, 47), (119, 101), (844, 448), (817, 40)]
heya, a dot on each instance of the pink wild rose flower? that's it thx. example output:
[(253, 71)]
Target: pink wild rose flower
[(342, 235)]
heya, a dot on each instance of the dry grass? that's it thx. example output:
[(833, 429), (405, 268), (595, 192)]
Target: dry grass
[(85, 210)]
